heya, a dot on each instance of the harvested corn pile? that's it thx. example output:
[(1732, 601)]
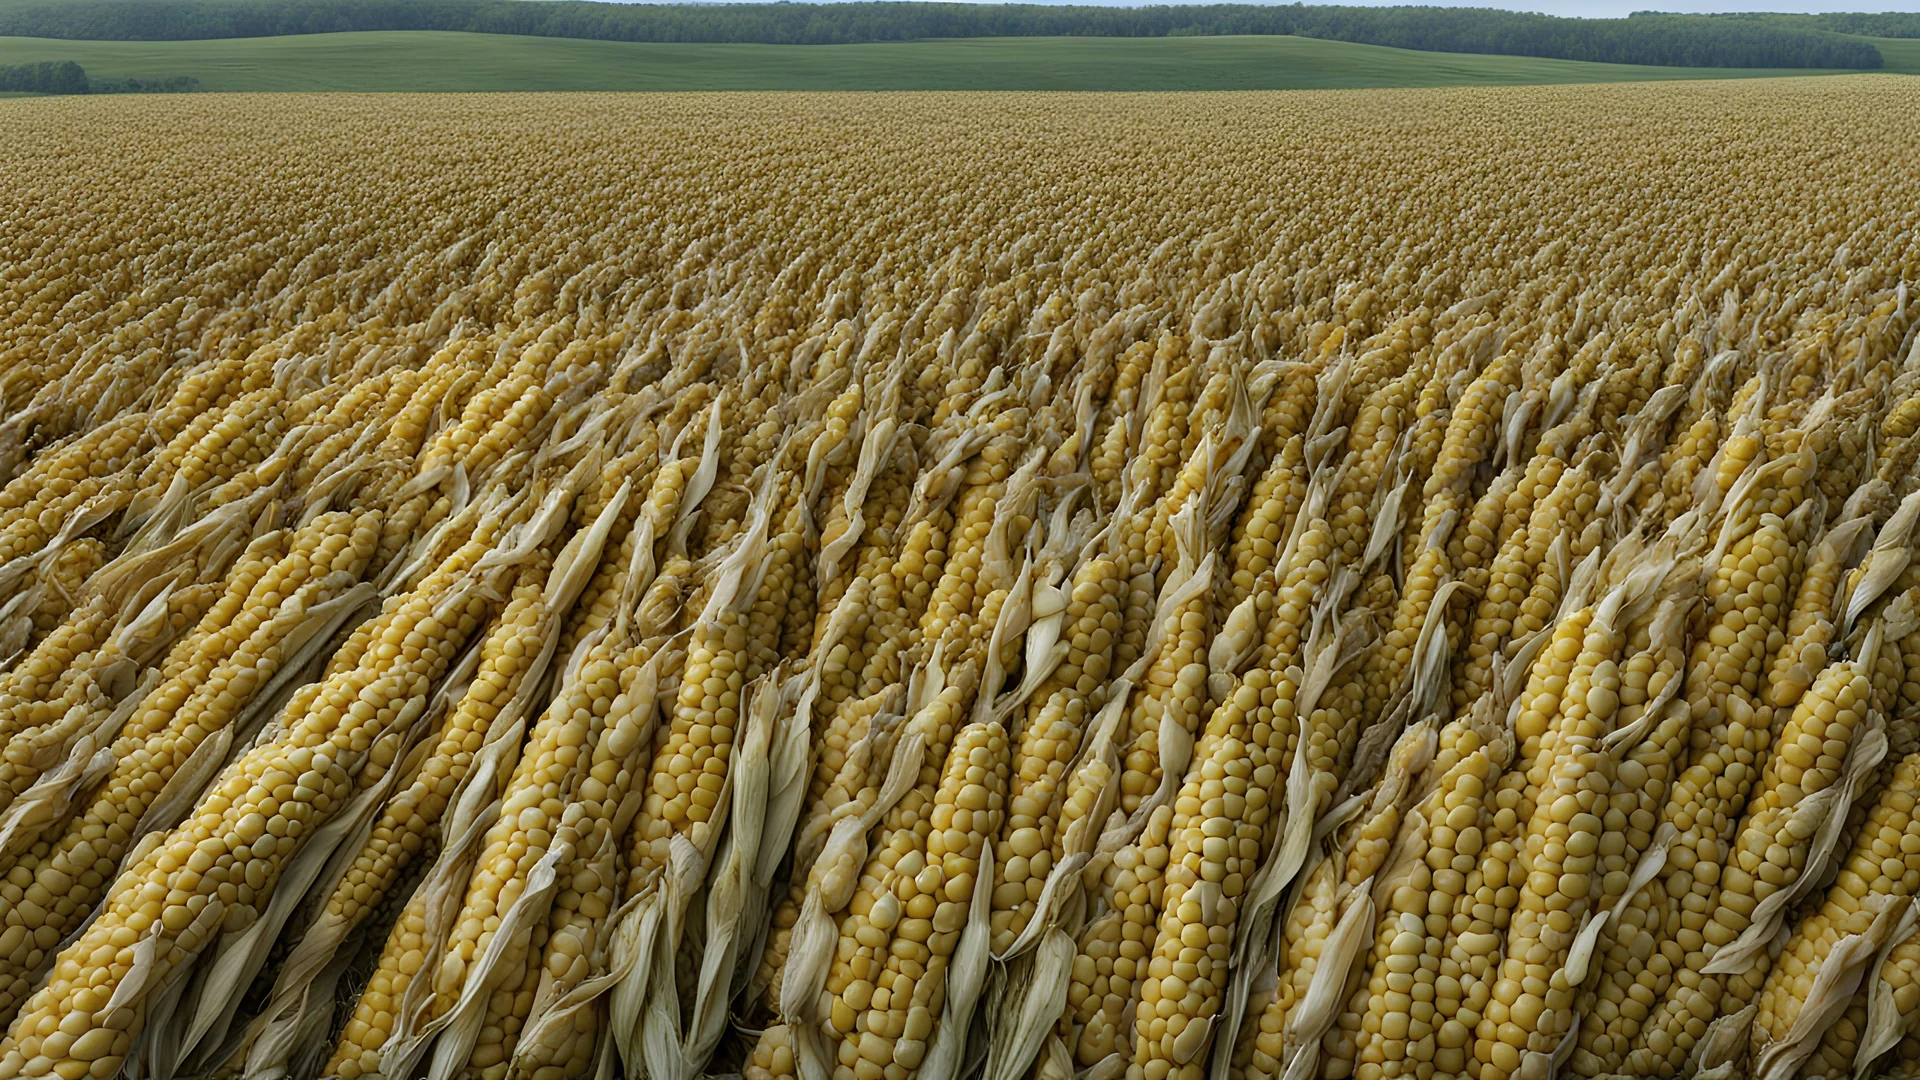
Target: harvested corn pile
[(1254, 587)]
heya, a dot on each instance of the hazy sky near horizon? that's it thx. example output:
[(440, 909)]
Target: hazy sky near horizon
[(1587, 9), (1613, 9)]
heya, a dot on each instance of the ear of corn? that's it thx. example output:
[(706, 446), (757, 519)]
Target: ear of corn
[(1861, 909), (1711, 795), (478, 981), (1651, 709), (1058, 712)]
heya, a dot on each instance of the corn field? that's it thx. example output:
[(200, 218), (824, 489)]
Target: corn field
[(1391, 584)]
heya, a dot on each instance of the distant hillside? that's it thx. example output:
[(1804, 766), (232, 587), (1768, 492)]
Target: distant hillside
[(1648, 39), (432, 60)]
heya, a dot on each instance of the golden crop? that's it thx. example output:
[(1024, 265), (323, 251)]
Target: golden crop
[(1389, 584)]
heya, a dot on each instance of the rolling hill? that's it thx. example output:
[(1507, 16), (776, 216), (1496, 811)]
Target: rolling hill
[(447, 61)]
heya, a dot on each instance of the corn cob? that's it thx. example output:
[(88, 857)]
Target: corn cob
[(476, 986), (1312, 999), (581, 913), (1780, 836), (1876, 871), (884, 1008), (1048, 741), (1650, 680), (1731, 736), (1510, 572)]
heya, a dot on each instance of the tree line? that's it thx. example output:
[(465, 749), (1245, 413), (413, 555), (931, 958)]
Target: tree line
[(67, 77), (1668, 40), (1889, 24)]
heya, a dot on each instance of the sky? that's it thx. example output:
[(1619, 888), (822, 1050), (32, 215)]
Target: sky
[(1613, 9), (1586, 9)]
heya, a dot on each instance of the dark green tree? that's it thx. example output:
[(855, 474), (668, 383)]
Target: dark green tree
[(45, 77)]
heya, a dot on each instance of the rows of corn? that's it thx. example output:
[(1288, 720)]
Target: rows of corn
[(1403, 585)]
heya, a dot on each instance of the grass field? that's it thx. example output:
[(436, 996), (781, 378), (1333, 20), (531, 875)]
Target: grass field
[(1901, 54), (421, 60)]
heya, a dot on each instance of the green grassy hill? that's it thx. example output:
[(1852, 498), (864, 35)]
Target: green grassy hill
[(422, 60), (1902, 55)]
